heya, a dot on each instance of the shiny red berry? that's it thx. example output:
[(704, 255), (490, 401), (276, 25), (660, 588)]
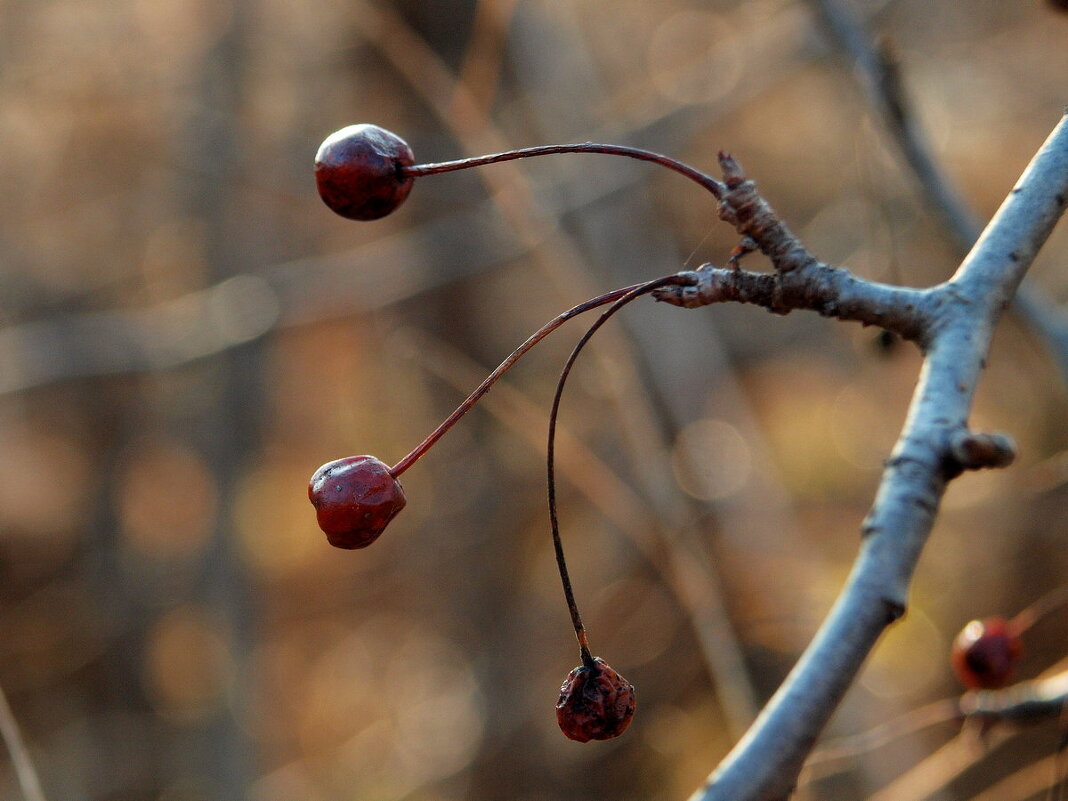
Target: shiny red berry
[(354, 500), (359, 171), (985, 653), (596, 703)]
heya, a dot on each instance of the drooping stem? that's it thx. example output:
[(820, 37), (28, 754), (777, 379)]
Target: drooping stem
[(716, 188), (550, 460), (503, 368)]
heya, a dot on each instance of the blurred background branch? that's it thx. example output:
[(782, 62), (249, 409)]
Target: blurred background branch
[(881, 74), (29, 783)]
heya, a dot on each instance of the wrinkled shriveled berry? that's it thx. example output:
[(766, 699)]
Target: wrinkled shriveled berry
[(596, 703), (359, 171), (985, 653), (354, 500)]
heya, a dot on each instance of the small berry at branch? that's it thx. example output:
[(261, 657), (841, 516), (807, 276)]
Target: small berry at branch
[(359, 171), (596, 703), (985, 653), (354, 500)]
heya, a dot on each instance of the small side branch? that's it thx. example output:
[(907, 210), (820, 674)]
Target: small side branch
[(829, 291), (753, 217), (973, 450)]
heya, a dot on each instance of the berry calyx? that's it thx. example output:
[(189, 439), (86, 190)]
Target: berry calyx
[(364, 172), (596, 703), (985, 653), (354, 500), (359, 171)]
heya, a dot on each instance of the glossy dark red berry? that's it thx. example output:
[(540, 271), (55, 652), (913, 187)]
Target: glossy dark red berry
[(596, 703), (354, 500), (359, 171), (985, 653)]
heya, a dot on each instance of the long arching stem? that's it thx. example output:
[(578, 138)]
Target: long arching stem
[(554, 523), (502, 368), (716, 188)]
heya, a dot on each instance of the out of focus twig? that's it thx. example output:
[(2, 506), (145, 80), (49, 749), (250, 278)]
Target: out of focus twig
[(878, 69), (1027, 782), (826, 758), (939, 768), (1027, 703), (20, 756)]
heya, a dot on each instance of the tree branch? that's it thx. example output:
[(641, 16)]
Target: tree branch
[(954, 323), (801, 281), (829, 291)]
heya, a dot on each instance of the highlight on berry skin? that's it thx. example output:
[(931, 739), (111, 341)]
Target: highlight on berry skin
[(985, 653), (596, 703), (354, 500)]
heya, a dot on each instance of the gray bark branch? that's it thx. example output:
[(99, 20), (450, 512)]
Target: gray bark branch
[(954, 323)]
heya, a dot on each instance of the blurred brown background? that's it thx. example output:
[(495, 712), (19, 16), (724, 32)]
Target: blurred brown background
[(186, 333)]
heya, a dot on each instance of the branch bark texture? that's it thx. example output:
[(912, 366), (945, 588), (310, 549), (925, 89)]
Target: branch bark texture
[(953, 323)]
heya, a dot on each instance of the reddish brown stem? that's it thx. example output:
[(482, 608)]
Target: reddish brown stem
[(503, 368), (554, 523), (716, 188)]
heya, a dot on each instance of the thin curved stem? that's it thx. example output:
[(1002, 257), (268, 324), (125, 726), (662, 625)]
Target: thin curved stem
[(550, 458), (503, 368), (707, 182)]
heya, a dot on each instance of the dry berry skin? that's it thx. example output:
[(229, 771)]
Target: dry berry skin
[(354, 500), (596, 703), (359, 171), (985, 653)]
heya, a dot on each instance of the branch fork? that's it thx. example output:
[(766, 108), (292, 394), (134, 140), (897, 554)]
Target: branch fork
[(953, 324), (800, 280)]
